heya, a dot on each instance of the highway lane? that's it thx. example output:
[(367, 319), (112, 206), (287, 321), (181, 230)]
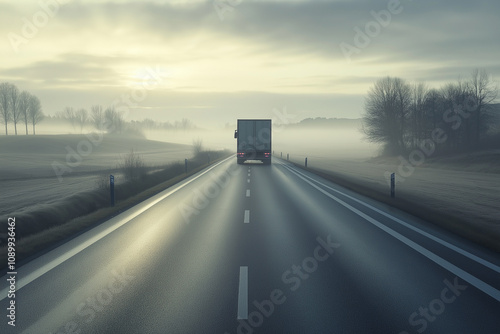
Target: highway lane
[(260, 249)]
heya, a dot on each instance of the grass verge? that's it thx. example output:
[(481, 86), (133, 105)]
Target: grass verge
[(484, 235)]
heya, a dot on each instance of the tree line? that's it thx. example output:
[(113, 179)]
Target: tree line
[(403, 116), (107, 120), (149, 124), (110, 120), (17, 107)]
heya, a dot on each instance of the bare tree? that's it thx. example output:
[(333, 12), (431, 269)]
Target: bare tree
[(70, 115), (114, 120), (418, 115), (197, 146), (484, 92), (35, 111), (4, 104), (403, 98), (387, 108), (81, 117), (148, 123), (402, 116), (433, 108), (458, 124), (14, 109), (186, 124), (97, 117), (23, 105)]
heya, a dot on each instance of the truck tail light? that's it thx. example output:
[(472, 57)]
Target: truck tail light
[(267, 154)]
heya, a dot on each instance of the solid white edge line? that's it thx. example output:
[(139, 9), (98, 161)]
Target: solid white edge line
[(246, 219), (471, 256), (30, 277), (486, 288), (243, 293)]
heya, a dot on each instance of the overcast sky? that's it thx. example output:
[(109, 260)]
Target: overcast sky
[(217, 61)]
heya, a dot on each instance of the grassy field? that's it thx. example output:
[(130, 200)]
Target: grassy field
[(28, 157), (29, 181), (459, 193), (41, 197), (40, 230)]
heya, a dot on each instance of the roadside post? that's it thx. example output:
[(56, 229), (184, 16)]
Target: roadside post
[(185, 166), (287, 156), (306, 163), (112, 189), (393, 185)]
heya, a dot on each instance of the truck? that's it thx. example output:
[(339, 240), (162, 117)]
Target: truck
[(253, 140)]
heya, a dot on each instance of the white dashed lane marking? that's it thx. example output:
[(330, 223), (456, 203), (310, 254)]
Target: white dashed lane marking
[(243, 286), (243, 294)]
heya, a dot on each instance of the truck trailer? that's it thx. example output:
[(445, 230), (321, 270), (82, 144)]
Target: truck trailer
[(253, 140)]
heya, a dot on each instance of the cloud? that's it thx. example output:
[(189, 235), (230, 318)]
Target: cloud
[(425, 29), (279, 47), (68, 70)]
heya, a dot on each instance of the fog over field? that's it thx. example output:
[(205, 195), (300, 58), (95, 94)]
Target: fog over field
[(341, 142), (63, 159), (168, 79), (324, 143), (45, 169), (342, 138)]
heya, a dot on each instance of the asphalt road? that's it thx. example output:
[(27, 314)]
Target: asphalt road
[(258, 249)]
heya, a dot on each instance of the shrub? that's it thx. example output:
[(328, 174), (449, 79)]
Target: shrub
[(133, 166), (197, 146)]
